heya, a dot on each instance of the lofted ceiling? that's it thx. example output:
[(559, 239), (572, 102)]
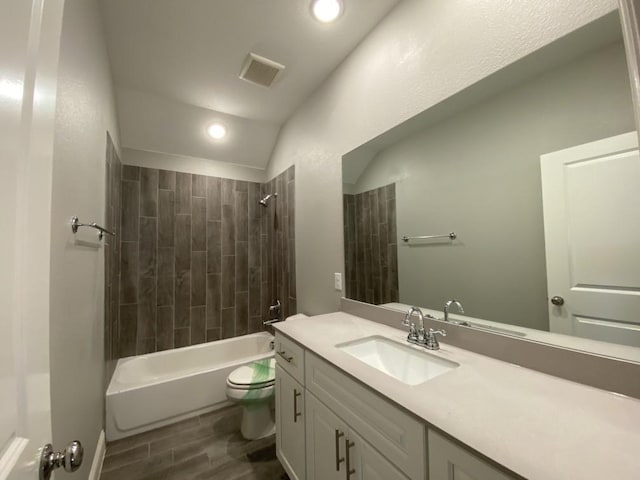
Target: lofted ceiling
[(175, 65)]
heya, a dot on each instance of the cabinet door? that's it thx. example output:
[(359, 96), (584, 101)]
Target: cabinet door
[(366, 463), (449, 461), (290, 418), (326, 437)]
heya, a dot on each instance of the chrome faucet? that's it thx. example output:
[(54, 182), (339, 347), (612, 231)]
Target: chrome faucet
[(447, 306), (419, 336), (414, 335)]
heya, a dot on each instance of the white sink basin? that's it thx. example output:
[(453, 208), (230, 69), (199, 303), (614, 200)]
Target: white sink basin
[(409, 365)]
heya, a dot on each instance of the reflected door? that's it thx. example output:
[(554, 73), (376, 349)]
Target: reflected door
[(591, 200)]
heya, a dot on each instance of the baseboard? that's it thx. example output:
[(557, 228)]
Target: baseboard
[(98, 458)]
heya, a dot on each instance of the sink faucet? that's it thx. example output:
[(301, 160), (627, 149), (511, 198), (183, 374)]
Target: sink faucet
[(447, 306), (414, 335), (420, 336)]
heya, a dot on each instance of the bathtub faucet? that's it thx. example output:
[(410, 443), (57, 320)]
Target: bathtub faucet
[(274, 310)]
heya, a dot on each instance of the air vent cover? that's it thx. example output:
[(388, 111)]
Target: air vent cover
[(260, 71)]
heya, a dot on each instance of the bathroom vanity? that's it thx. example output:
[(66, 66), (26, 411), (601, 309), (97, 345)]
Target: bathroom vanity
[(350, 404)]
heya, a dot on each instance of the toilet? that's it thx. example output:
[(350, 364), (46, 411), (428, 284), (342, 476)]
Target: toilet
[(253, 387)]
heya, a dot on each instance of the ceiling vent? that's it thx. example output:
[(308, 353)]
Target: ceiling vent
[(260, 71)]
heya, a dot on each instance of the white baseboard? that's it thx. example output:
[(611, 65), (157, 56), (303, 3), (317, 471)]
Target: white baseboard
[(98, 458)]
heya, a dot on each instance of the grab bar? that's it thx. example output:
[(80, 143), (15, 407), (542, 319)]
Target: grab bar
[(75, 224), (450, 236)]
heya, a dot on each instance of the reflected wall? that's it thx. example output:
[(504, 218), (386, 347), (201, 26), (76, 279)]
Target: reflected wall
[(477, 173)]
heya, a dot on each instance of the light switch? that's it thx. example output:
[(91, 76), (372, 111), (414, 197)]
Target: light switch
[(337, 281)]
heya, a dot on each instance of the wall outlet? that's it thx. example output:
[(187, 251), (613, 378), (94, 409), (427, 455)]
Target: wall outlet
[(337, 281)]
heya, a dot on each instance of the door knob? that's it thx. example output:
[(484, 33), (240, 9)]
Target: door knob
[(70, 459), (557, 301)]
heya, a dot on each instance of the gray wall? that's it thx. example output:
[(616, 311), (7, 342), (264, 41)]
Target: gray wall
[(200, 259), (85, 111), (419, 55), (478, 174)]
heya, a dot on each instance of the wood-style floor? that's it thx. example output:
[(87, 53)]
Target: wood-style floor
[(208, 447)]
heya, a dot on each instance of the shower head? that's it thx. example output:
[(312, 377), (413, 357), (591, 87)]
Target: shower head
[(265, 200)]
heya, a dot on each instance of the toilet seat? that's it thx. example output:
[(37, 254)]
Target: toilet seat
[(256, 375)]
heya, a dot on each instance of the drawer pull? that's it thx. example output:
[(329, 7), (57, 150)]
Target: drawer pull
[(347, 445), (296, 414), (283, 354), (339, 460)]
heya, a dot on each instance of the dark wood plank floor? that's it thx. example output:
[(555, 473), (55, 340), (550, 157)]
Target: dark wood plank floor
[(208, 447)]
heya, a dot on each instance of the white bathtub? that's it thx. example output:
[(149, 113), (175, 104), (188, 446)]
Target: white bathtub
[(149, 391)]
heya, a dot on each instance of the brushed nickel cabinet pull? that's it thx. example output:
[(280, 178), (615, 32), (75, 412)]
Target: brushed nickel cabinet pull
[(347, 445), (339, 460), (283, 354), (296, 414)]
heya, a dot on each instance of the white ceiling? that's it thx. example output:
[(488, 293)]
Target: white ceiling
[(175, 64)]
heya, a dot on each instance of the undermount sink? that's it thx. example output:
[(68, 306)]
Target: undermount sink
[(404, 363)]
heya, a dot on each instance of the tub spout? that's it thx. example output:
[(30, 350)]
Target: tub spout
[(266, 323)]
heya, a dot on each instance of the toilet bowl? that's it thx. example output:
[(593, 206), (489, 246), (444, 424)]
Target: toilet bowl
[(253, 387)]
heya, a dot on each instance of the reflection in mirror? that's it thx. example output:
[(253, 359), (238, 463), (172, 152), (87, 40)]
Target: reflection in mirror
[(472, 165)]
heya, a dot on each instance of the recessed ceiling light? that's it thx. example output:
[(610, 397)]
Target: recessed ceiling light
[(217, 131), (326, 11)]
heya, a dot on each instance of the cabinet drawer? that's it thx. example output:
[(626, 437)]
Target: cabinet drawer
[(399, 436), (290, 356)]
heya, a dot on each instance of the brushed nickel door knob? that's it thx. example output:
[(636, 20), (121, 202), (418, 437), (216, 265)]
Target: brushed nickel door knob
[(557, 301), (70, 459)]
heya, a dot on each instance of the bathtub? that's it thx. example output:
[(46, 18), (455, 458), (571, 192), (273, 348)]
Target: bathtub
[(150, 391)]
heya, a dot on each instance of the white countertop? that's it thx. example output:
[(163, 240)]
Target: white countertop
[(539, 426)]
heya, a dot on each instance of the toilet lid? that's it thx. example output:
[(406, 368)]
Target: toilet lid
[(256, 374)]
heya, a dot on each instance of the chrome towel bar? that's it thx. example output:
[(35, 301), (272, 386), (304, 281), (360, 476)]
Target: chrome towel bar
[(75, 224), (450, 236)]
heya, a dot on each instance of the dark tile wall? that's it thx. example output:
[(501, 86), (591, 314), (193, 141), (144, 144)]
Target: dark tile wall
[(111, 257), (278, 235), (192, 259), (370, 241)]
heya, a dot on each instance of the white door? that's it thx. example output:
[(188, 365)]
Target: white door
[(449, 461), (366, 463), (290, 418), (29, 44), (591, 199), (326, 442)]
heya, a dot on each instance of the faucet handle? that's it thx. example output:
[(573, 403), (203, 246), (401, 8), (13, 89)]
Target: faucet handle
[(405, 322), (431, 341), (413, 332)]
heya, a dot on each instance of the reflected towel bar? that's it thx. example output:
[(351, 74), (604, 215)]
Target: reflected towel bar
[(450, 236), (75, 224)]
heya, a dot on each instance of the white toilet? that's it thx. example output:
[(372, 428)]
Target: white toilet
[(253, 387)]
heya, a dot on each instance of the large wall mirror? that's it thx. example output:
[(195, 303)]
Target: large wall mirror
[(529, 182)]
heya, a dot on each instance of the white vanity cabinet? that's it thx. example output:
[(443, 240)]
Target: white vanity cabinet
[(331, 427), (449, 461), (290, 424)]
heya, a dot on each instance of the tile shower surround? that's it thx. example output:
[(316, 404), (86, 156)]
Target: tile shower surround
[(371, 255), (200, 259)]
